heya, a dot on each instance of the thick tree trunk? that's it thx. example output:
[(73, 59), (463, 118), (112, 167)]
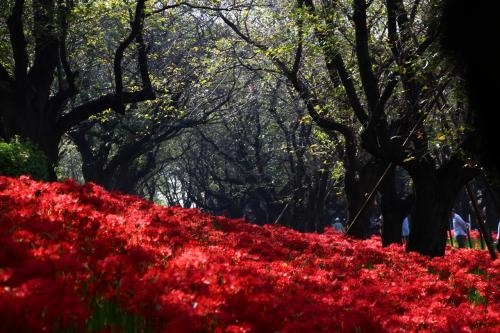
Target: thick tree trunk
[(49, 144), (18, 119), (430, 219), (435, 193)]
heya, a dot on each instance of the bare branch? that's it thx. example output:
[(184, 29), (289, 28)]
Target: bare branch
[(202, 7), (98, 105)]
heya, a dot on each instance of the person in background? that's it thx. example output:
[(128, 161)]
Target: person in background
[(460, 228), (338, 226), (375, 225), (405, 229), (498, 237)]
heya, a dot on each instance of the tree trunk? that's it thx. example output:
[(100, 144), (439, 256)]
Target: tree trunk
[(435, 193), (319, 198), (359, 182), (431, 219), (39, 131), (394, 208)]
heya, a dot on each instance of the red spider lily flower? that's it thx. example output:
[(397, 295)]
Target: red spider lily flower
[(65, 248)]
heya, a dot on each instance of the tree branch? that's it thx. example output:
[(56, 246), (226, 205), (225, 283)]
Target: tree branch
[(143, 64), (400, 37), (368, 79), (46, 33), (136, 26), (68, 89), (96, 106), (392, 31), (189, 5), (312, 104), (18, 42), (280, 64), (337, 71), (119, 98), (384, 97), (300, 36)]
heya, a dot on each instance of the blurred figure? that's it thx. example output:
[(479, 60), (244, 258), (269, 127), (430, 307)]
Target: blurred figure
[(376, 225), (405, 229), (498, 237), (460, 228), (338, 226)]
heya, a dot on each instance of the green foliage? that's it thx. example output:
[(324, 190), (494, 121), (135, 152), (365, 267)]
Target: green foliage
[(337, 171), (21, 158), (477, 271), (475, 297), (108, 315)]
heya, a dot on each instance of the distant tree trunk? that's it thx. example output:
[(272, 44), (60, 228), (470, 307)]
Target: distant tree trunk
[(118, 170), (355, 199), (318, 200), (394, 209), (360, 179)]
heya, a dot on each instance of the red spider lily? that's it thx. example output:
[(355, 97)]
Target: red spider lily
[(65, 248)]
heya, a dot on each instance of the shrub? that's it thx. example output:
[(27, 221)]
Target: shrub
[(22, 158)]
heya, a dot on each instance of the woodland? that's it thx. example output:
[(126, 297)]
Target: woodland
[(258, 122)]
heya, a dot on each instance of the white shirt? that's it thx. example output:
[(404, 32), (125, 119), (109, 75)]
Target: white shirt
[(405, 229), (459, 225)]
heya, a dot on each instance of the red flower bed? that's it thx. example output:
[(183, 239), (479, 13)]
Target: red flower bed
[(64, 247)]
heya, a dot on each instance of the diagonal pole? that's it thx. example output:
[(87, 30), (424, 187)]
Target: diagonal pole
[(480, 221), (370, 196)]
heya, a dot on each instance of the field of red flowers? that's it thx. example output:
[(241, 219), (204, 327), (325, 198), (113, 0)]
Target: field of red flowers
[(78, 258)]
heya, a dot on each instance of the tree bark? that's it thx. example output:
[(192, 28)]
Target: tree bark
[(435, 194), (360, 180), (394, 208)]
